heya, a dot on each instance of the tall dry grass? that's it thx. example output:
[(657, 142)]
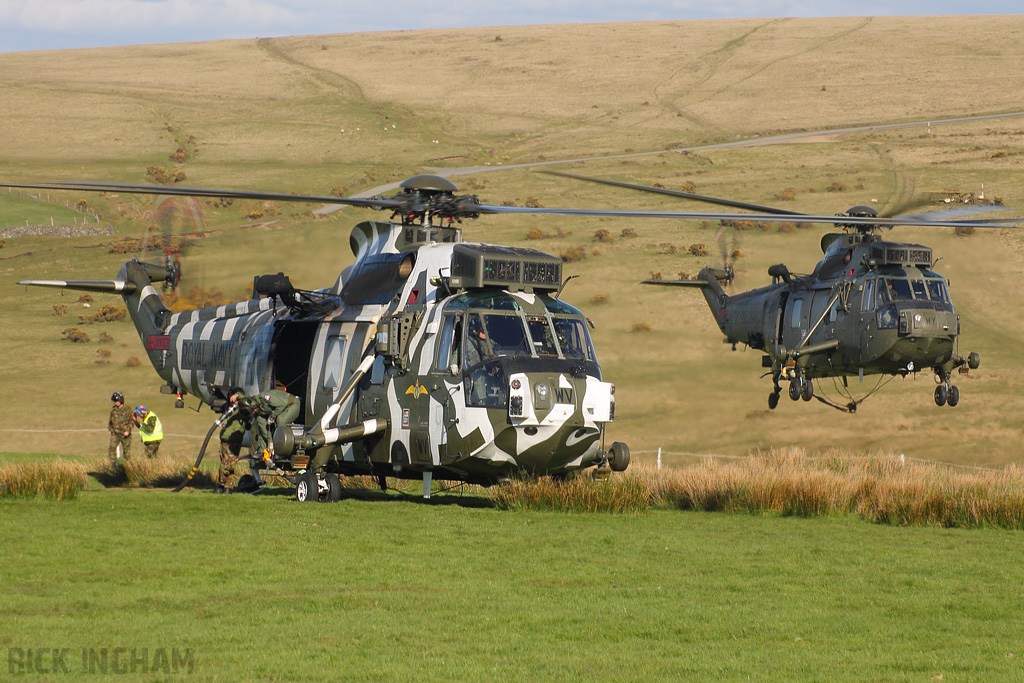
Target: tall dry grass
[(883, 488), (56, 480), (160, 472), (628, 492)]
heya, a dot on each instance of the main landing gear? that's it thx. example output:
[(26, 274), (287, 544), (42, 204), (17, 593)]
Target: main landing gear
[(311, 487), (800, 387)]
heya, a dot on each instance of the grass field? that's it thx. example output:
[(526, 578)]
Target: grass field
[(263, 588)]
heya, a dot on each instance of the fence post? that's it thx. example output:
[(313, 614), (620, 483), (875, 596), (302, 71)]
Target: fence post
[(659, 457)]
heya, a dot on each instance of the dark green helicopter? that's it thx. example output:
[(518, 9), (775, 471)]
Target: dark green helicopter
[(870, 307)]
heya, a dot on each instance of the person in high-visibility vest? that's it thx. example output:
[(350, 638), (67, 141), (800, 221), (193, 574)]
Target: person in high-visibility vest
[(150, 429)]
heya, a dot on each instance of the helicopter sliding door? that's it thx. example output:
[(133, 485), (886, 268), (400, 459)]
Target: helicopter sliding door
[(335, 354)]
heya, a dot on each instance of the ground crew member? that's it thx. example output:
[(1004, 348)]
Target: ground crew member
[(120, 427), (150, 429), (276, 404), (232, 432)]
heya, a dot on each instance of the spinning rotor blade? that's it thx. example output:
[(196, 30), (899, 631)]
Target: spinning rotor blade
[(853, 219), (432, 197), (128, 188), (767, 218), (680, 193)]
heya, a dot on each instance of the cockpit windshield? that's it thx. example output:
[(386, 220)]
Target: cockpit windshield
[(892, 289), (493, 334), (486, 336)]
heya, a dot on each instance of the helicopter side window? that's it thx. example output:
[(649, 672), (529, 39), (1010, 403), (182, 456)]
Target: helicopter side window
[(449, 343), (543, 340), (868, 299), (798, 304), (919, 289), (882, 294), (479, 346)]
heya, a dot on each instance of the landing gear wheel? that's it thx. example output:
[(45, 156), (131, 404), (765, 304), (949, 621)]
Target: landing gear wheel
[(773, 400), (807, 389), (940, 395), (954, 396), (333, 488), (307, 489), (794, 390), (618, 456)]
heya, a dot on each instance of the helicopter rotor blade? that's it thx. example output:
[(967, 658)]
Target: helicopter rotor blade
[(129, 188), (756, 217), (446, 205), (679, 193)]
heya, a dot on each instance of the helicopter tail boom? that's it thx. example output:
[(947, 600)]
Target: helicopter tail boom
[(144, 305)]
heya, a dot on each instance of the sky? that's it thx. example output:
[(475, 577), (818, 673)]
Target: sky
[(61, 24)]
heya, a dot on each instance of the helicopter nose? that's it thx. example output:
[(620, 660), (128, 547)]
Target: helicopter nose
[(556, 418)]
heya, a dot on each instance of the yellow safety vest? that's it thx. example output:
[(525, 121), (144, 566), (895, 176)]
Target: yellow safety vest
[(158, 429)]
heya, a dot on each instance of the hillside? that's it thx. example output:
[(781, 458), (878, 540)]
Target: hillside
[(353, 112)]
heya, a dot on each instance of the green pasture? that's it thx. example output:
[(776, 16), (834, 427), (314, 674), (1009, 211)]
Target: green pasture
[(261, 587)]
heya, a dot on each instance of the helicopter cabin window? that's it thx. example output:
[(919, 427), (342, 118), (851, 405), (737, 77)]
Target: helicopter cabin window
[(919, 289), (867, 301), (334, 362), (798, 305)]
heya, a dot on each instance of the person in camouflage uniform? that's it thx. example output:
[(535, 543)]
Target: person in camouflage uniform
[(120, 427), (231, 434), (150, 429), (276, 404)]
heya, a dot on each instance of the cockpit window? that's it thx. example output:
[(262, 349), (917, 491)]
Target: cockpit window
[(937, 290), (574, 339), (919, 290), (899, 290), (543, 339), (868, 299)]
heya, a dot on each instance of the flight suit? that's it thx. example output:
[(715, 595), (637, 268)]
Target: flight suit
[(120, 426), (281, 406)]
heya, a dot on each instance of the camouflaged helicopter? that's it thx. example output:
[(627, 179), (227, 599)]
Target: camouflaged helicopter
[(429, 357), (870, 307)]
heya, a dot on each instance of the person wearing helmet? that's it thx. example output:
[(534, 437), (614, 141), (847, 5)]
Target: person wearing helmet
[(150, 429), (232, 432), (120, 427)]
